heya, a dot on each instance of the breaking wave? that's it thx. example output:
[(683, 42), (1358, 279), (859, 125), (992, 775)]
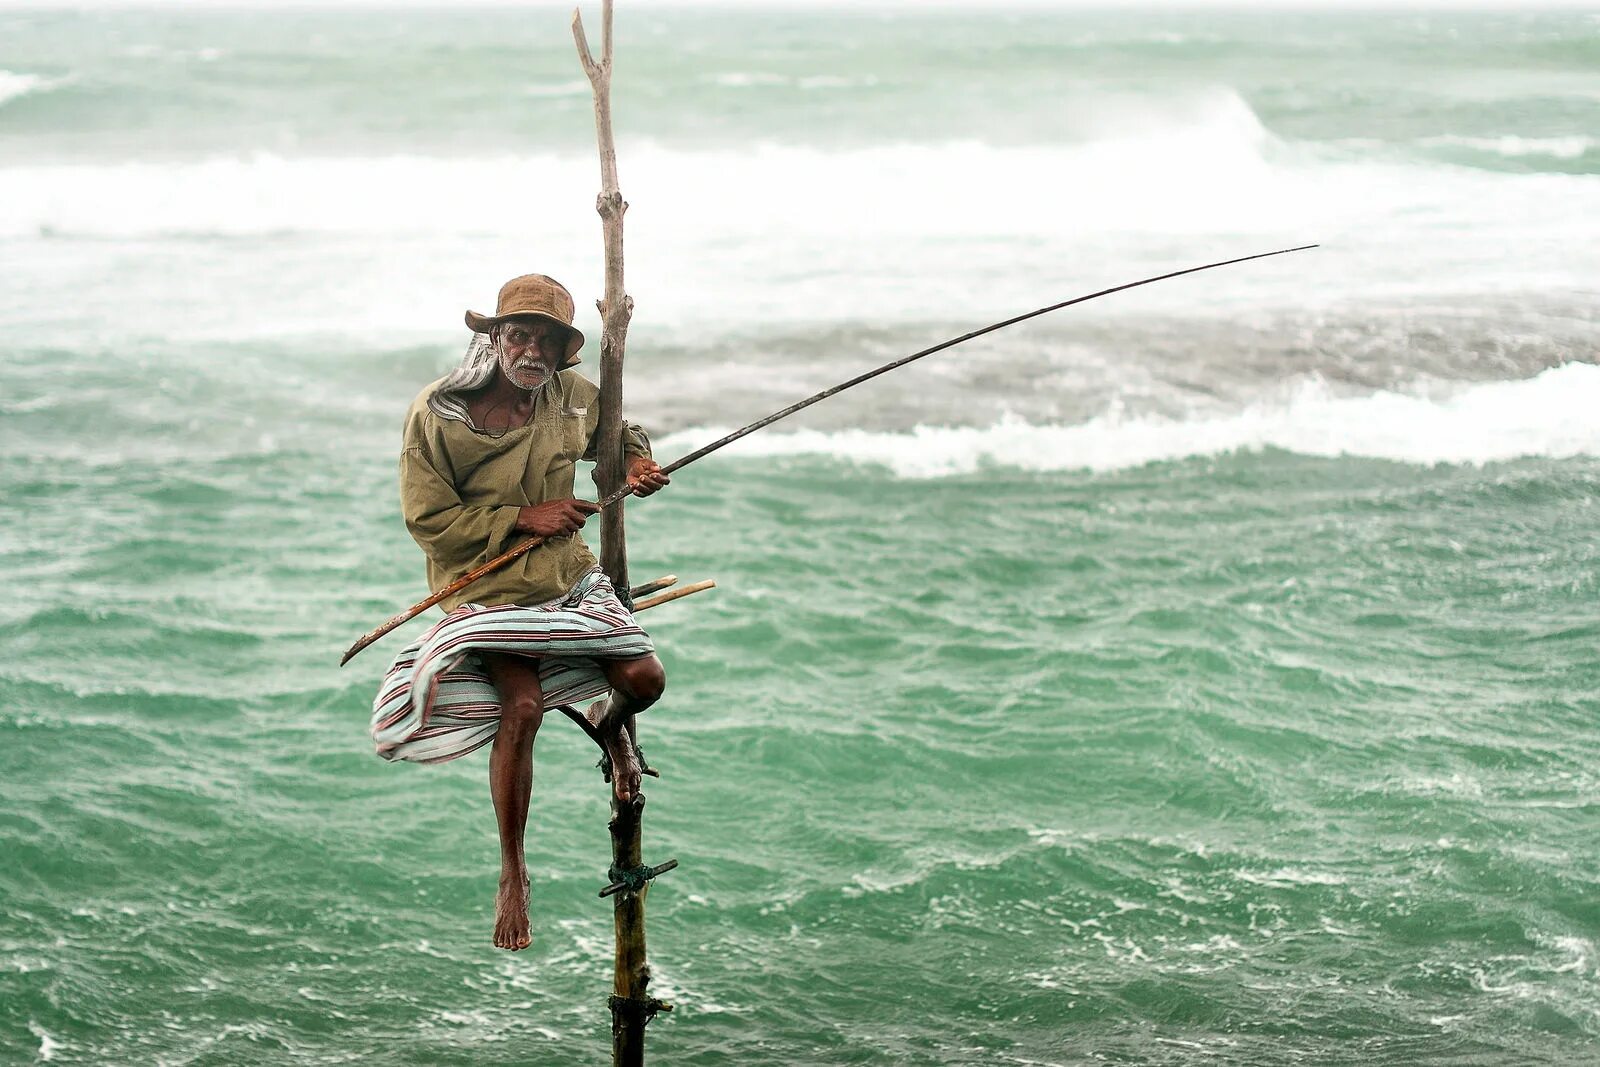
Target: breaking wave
[(14, 85), (1549, 415), (1511, 146), (1120, 179), (776, 233)]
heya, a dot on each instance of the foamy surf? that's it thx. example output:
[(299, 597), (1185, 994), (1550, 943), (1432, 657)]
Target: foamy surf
[(1258, 697), (1120, 179), (14, 85), (1548, 415), (1117, 179), (885, 232), (1514, 147)]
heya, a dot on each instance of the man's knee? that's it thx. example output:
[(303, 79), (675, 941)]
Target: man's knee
[(642, 679), (523, 710), (516, 680)]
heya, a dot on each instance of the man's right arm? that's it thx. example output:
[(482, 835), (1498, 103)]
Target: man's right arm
[(453, 534)]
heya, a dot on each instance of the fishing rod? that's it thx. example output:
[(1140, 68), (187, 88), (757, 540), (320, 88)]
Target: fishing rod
[(534, 542)]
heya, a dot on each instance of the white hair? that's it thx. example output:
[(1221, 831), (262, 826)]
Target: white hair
[(475, 372)]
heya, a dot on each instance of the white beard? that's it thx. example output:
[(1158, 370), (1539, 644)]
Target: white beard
[(526, 373)]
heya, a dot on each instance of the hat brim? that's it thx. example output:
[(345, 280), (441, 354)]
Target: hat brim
[(484, 323)]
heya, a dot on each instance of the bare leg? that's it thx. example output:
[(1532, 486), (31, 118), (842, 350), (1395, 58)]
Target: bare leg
[(516, 678), (635, 685)]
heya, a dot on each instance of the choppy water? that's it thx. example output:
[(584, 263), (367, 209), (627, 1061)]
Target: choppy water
[(1203, 675)]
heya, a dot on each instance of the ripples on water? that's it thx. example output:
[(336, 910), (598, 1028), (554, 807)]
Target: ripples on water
[(1263, 754), (1205, 677)]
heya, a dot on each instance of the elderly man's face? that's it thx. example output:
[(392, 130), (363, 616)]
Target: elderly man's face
[(530, 350)]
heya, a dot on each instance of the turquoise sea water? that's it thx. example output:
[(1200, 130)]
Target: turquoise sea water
[(1205, 675)]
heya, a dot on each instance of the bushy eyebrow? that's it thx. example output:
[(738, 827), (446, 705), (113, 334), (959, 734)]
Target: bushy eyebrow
[(538, 329)]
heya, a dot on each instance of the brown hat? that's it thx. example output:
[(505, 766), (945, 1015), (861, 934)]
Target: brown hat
[(532, 294)]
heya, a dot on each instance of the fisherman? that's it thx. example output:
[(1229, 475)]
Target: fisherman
[(488, 461)]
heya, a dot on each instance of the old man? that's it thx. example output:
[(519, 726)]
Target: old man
[(488, 461)]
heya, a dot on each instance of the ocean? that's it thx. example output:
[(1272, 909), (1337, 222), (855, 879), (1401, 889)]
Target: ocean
[(1205, 674)]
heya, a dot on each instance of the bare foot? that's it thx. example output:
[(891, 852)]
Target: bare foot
[(511, 914), (626, 767), (624, 763), (599, 715)]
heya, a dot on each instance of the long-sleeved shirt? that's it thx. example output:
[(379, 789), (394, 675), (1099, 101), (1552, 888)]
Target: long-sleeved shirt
[(461, 492)]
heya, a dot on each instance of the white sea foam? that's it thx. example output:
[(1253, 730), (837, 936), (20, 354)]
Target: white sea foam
[(176, 55), (746, 80), (742, 80), (770, 234), (14, 85), (835, 81), (1123, 181), (1512, 146), (1548, 415), (576, 87), (48, 1046)]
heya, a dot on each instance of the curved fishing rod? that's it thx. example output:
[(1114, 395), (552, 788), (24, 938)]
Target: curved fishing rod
[(534, 542)]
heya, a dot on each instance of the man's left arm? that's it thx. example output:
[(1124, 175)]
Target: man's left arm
[(644, 473)]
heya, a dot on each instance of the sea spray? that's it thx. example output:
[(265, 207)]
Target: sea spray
[(1207, 675), (1549, 415)]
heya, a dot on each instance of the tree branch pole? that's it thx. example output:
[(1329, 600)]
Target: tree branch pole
[(632, 1007), (616, 306)]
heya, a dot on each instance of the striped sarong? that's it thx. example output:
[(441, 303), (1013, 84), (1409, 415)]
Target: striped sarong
[(437, 703)]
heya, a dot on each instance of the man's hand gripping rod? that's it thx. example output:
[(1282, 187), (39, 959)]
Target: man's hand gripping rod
[(471, 576), (626, 490)]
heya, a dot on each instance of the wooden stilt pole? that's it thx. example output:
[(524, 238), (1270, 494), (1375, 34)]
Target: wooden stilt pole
[(616, 306), (632, 1007)]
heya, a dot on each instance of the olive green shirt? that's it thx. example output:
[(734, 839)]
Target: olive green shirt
[(461, 492)]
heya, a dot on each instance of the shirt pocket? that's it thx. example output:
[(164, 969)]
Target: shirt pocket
[(572, 425)]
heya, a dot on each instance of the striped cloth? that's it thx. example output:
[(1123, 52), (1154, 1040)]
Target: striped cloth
[(436, 702)]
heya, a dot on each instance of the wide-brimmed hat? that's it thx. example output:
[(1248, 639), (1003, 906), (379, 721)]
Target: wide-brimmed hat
[(533, 294)]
